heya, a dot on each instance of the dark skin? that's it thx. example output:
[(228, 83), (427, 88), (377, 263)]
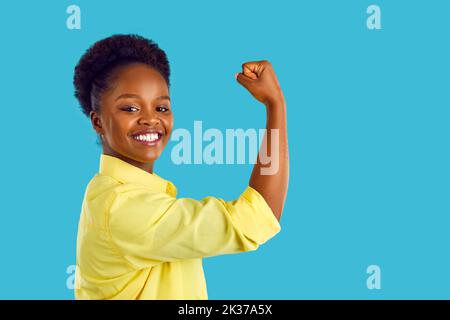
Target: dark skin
[(139, 99), (259, 78)]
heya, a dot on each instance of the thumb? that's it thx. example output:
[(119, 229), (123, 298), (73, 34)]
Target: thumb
[(244, 80)]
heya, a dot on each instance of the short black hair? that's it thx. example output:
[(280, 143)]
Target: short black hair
[(103, 57)]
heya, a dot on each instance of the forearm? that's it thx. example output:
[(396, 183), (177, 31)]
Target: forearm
[(271, 179)]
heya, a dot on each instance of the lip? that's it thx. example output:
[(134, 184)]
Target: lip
[(148, 143), (154, 130)]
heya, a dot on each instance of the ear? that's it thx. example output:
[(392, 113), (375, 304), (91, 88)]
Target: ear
[(96, 122)]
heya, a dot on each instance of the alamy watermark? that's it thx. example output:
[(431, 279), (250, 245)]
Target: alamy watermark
[(73, 21), (235, 146), (373, 21), (70, 281), (374, 279)]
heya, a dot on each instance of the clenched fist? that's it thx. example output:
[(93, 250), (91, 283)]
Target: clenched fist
[(259, 78)]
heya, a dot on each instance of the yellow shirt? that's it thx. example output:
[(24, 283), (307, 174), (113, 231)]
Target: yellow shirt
[(136, 240)]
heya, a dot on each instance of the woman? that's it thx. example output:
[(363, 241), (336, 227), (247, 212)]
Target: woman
[(136, 239)]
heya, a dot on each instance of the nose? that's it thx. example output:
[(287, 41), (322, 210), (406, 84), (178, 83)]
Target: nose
[(149, 118)]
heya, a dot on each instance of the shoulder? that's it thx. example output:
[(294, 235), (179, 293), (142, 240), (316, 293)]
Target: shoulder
[(103, 185)]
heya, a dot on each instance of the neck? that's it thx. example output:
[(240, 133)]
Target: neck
[(146, 166)]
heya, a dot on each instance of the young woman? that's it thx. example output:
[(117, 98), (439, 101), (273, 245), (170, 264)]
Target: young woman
[(136, 239)]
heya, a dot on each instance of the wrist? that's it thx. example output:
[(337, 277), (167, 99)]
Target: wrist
[(275, 103)]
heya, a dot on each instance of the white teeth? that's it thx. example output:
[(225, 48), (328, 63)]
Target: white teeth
[(147, 137)]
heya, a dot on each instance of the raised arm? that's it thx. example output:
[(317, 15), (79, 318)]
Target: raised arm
[(270, 174)]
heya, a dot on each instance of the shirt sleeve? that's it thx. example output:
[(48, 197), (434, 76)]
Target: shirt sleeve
[(148, 228)]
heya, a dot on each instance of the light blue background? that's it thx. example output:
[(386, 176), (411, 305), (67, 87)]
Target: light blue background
[(368, 115)]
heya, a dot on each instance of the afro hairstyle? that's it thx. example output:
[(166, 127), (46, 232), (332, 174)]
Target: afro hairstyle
[(97, 64)]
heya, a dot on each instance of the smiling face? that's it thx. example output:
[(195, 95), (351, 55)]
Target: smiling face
[(135, 117)]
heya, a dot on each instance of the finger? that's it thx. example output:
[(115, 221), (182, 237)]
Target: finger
[(250, 71), (253, 69), (244, 80)]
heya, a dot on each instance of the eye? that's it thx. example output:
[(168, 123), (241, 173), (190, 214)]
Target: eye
[(128, 108), (162, 108)]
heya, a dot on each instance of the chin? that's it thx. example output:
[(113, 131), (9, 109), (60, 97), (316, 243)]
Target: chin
[(149, 156)]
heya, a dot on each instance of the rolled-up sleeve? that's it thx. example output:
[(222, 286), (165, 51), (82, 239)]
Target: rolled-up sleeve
[(148, 227)]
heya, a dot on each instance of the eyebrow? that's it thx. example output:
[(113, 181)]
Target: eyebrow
[(131, 95)]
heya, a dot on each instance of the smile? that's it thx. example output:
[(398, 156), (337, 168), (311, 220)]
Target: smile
[(149, 139)]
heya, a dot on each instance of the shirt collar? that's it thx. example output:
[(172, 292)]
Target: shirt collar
[(125, 172)]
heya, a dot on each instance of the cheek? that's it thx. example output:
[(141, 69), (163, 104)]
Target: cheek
[(119, 127), (168, 124)]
